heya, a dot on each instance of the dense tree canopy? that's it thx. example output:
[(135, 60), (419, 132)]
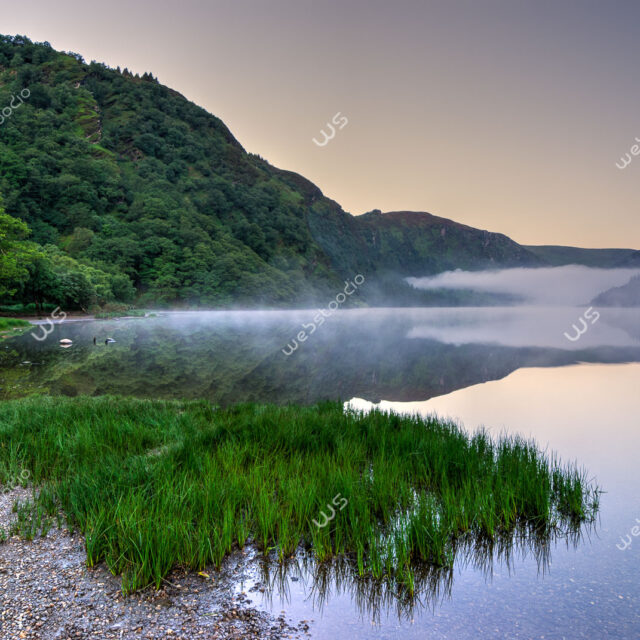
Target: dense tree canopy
[(127, 177), (133, 191), (15, 255)]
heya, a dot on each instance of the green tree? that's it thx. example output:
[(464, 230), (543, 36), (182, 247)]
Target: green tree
[(15, 254), (42, 285)]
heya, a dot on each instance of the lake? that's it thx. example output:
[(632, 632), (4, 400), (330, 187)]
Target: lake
[(509, 369)]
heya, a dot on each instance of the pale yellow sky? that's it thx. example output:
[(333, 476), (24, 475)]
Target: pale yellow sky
[(503, 115)]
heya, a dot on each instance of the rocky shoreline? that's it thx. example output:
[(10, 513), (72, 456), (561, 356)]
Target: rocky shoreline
[(48, 593)]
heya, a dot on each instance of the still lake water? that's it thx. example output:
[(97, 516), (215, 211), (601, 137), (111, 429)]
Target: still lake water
[(509, 369)]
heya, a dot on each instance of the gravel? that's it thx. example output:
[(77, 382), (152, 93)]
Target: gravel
[(48, 593)]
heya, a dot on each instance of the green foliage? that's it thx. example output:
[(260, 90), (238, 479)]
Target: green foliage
[(121, 311), (117, 170), (54, 276), (128, 177), (12, 323), (15, 255), (185, 483)]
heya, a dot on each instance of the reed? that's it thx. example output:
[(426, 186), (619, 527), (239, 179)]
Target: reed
[(155, 484)]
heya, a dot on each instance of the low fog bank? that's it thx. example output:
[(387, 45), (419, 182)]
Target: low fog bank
[(542, 327), (571, 285)]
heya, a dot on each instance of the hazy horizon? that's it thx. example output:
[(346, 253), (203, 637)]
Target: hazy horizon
[(500, 116)]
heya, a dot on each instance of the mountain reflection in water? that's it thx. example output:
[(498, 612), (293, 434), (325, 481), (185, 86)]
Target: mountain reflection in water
[(236, 356)]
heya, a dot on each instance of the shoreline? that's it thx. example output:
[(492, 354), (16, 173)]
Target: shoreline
[(47, 592), (190, 500), (275, 476)]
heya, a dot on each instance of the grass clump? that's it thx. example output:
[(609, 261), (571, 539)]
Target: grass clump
[(12, 325), (129, 313), (154, 484)]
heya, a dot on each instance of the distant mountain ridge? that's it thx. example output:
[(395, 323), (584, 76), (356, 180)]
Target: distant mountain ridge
[(627, 295), (133, 191), (632, 260), (411, 243), (559, 256)]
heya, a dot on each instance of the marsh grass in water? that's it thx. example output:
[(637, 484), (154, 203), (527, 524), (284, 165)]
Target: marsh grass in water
[(155, 484)]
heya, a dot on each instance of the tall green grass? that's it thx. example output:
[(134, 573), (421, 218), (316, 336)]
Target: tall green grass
[(12, 323), (154, 484)]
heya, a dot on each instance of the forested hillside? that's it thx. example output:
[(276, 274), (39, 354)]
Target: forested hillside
[(116, 188)]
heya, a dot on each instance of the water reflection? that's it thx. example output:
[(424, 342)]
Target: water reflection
[(583, 412), (227, 357), (374, 599), (377, 600)]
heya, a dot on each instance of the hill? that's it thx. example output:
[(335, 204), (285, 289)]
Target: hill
[(558, 256), (632, 260), (412, 243), (627, 295), (129, 191)]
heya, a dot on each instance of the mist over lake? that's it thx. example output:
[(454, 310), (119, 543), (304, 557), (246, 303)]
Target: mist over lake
[(230, 356), (554, 286), (479, 365)]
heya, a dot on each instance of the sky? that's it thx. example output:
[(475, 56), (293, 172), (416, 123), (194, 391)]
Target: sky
[(506, 115)]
